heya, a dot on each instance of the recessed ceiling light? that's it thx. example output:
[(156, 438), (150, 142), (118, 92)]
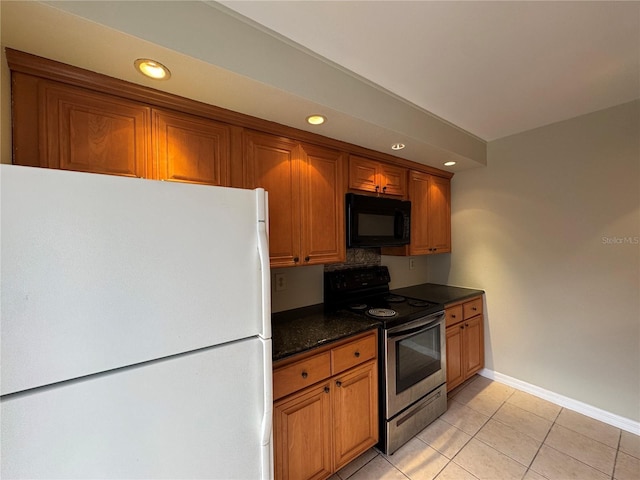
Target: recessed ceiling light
[(398, 146), (449, 164), (152, 69), (316, 119)]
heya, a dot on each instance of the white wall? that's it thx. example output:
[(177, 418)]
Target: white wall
[(550, 229)]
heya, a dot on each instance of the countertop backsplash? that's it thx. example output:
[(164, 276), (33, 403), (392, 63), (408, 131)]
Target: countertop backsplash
[(304, 286)]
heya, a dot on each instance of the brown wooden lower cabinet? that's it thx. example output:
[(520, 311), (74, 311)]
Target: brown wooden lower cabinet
[(302, 435), (465, 341), (322, 427)]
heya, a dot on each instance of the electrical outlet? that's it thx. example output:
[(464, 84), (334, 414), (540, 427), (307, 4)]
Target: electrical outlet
[(412, 263), (281, 282)]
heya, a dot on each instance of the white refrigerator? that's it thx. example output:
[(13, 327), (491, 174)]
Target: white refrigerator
[(135, 328)]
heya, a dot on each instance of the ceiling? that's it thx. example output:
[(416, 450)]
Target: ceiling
[(491, 68), (442, 77)]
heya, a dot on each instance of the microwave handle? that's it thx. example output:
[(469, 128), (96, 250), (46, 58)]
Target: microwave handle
[(398, 224)]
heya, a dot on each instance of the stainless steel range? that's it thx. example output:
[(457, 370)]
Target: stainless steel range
[(412, 356)]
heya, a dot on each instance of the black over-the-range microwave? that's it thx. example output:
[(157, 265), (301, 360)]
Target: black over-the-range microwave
[(377, 221)]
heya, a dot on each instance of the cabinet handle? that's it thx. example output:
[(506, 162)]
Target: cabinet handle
[(461, 327), (305, 374), (384, 189), (357, 354), (306, 259), (453, 316), (466, 324), (326, 389), (377, 188), (296, 259), (338, 383), (474, 308)]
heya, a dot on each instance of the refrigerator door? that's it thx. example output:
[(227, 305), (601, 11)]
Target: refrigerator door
[(195, 415), (99, 272)]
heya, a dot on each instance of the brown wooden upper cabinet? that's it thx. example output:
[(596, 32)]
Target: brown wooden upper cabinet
[(190, 149), (306, 198), (430, 197), (430, 214), (59, 126), (378, 177), (85, 130)]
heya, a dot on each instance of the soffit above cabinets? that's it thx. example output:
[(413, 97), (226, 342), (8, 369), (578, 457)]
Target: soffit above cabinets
[(219, 56), (216, 58)]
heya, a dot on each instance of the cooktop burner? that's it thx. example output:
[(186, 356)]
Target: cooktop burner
[(358, 307), (381, 312), (418, 303), (394, 298), (365, 291)]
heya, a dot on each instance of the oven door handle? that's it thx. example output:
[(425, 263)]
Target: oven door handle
[(411, 330)]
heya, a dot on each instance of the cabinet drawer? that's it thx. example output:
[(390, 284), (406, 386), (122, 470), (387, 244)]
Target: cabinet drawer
[(353, 353), (472, 308), (453, 315), (301, 374)]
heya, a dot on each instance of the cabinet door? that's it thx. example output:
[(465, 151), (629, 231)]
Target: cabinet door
[(439, 214), (271, 163), (455, 347), (91, 132), (419, 195), (393, 180), (190, 149), (363, 174), (302, 435), (322, 216), (473, 345), (355, 407)]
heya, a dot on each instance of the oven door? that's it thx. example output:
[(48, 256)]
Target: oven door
[(415, 361)]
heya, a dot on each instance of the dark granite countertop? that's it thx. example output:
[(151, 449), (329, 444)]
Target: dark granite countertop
[(302, 329), (299, 330), (432, 292)]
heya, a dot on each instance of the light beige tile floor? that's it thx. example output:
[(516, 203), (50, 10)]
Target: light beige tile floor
[(494, 432)]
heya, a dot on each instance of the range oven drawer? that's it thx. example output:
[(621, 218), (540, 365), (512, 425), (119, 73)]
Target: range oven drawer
[(404, 426)]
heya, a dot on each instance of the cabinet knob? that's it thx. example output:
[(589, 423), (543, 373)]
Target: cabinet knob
[(474, 308), (296, 259), (306, 259), (338, 383), (453, 316), (466, 324), (326, 389), (305, 374), (384, 189), (461, 327), (357, 354), (377, 187)]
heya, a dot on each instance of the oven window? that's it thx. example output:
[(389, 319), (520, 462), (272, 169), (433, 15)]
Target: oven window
[(417, 357)]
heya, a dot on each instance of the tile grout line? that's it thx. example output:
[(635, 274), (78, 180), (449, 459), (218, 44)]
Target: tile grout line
[(615, 459), (528, 467), (542, 444), (471, 437)]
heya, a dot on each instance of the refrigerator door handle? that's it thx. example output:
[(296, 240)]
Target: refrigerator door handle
[(267, 417), (263, 253)]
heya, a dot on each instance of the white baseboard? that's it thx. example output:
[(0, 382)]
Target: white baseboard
[(623, 423)]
